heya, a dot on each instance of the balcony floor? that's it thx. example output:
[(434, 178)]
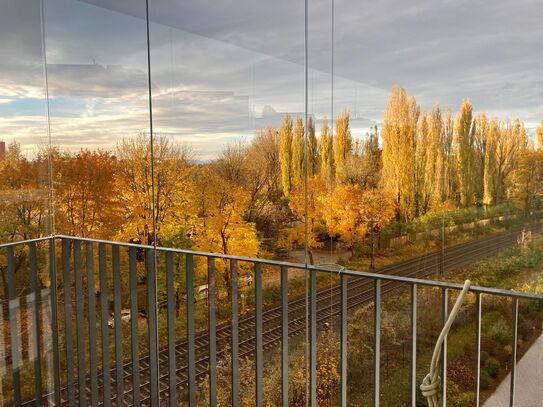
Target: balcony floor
[(529, 391)]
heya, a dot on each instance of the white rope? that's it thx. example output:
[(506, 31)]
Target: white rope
[(430, 383)]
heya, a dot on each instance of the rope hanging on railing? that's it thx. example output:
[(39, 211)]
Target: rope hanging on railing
[(430, 383)]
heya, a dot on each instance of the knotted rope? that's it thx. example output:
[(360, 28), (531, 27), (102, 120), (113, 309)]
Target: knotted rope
[(430, 383)]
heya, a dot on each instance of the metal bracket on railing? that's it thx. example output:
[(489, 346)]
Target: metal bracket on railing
[(340, 268)]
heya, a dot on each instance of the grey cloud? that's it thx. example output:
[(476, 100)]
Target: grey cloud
[(222, 62)]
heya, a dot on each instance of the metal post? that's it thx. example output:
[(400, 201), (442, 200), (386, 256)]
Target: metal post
[(413, 372), (212, 331), (284, 336), (514, 342), (376, 342), (372, 264), (258, 335), (343, 342)]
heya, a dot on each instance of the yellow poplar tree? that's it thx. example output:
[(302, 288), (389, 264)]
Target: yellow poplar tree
[(325, 147), (464, 152), (539, 135), (490, 162), (422, 186), (342, 144), (449, 166), (509, 145), (312, 148), (285, 154), (399, 136), (435, 160), (480, 142), (298, 164)]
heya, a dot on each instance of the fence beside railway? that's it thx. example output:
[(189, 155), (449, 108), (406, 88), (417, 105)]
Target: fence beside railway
[(95, 322)]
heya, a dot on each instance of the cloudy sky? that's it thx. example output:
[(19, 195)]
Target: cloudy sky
[(222, 70)]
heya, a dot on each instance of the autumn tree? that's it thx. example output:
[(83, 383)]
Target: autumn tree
[(25, 207), (398, 156), (434, 172), (480, 131), (312, 149), (526, 179), (231, 164), (298, 156), (218, 225), (263, 182), (342, 144), (295, 234), (363, 165), (285, 154), (539, 136), (349, 211), (87, 191), (449, 167), (464, 142), (326, 152), (172, 190), (422, 186), (25, 210), (509, 145), (489, 163)]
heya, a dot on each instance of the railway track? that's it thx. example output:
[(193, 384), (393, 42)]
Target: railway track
[(360, 292)]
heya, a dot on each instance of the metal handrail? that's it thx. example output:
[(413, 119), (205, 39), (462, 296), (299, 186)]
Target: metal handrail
[(301, 266)]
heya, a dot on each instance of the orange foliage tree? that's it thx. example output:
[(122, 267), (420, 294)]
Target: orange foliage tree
[(87, 202), (349, 211)]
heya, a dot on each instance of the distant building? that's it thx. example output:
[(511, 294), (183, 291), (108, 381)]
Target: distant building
[(2, 150)]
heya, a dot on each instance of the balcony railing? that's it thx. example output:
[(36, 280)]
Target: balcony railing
[(93, 322)]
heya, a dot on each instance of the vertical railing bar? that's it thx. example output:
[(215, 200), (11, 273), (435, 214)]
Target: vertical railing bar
[(104, 327), (413, 374), (284, 336), (152, 319), (191, 353), (477, 348), (81, 375), (171, 330), (258, 336), (313, 337), (376, 342), (444, 316), (235, 332), (514, 341), (54, 320), (33, 259), (93, 362), (3, 355), (212, 331), (68, 321), (15, 340), (118, 323), (134, 328), (343, 341)]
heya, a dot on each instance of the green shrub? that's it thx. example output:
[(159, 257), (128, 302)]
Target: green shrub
[(485, 380), (500, 332), (492, 367)]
